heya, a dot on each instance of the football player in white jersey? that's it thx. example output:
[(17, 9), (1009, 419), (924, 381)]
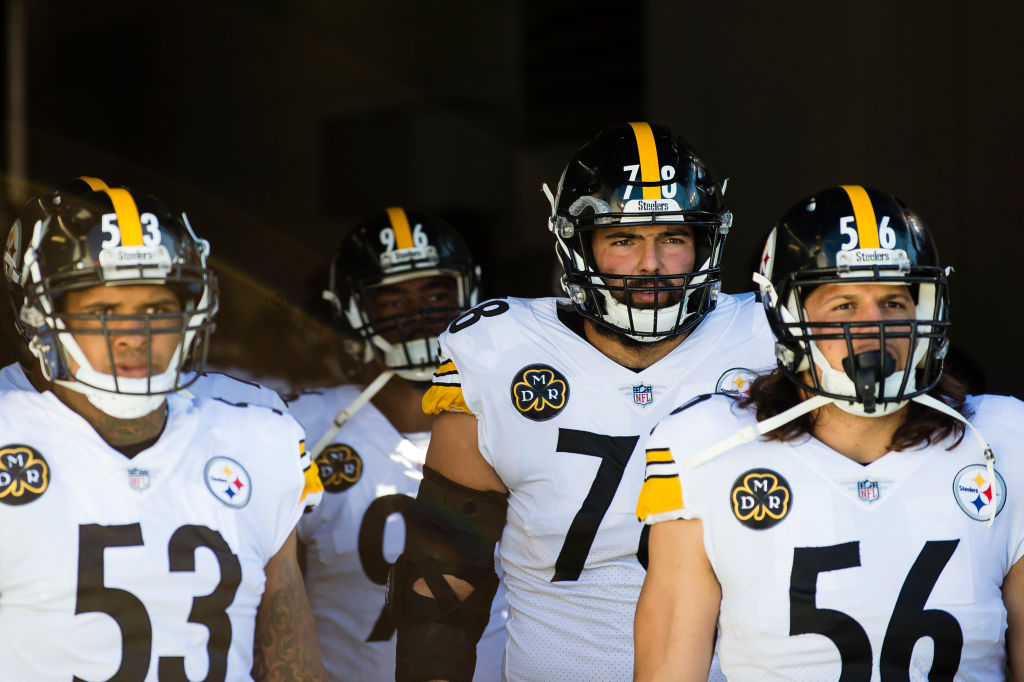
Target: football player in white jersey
[(398, 278), (146, 535), (542, 404), (843, 521), (15, 376)]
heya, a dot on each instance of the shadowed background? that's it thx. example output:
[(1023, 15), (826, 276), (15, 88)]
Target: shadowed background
[(276, 124)]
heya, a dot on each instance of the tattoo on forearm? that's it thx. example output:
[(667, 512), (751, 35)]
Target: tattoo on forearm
[(286, 648)]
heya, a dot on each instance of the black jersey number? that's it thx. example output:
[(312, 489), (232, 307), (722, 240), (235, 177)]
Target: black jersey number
[(909, 621), (130, 613), (371, 552), (614, 452), (473, 315)]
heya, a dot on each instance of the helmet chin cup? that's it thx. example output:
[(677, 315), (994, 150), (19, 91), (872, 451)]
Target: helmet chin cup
[(117, 405), (838, 384), (867, 370), (412, 360)]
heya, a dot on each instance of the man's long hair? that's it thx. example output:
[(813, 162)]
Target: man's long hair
[(775, 392)]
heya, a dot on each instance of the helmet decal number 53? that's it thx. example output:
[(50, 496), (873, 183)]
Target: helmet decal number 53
[(150, 226), (886, 234)]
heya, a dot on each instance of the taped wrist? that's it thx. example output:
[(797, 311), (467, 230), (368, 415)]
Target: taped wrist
[(453, 532)]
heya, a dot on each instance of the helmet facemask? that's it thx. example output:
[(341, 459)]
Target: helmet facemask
[(405, 250), (638, 174), (870, 384), (172, 257), (406, 342), (693, 293)]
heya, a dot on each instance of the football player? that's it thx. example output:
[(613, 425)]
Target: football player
[(146, 535), (542, 404), (845, 520), (202, 383), (396, 281)]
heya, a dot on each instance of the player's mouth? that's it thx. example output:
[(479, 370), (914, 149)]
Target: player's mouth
[(132, 371)]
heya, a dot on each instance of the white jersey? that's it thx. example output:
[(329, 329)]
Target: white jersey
[(13, 378), (829, 567), (207, 385), (371, 474), (561, 423), (144, 568), (234, 390)]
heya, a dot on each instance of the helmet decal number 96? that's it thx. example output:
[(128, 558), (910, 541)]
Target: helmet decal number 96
[(150, 227), (388, 239), (886, 235), (668, 174)]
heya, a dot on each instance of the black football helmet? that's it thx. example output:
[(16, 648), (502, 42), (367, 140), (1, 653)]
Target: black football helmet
[(15, 245), (638, 173), (388, 247), (87, 234), (849, 235)]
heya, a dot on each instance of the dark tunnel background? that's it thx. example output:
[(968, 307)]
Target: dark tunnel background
[(275, 124)]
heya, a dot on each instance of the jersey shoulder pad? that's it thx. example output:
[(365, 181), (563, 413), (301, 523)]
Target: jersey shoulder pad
[(702, 421), (234, 391), (999, 419), (495, 321)]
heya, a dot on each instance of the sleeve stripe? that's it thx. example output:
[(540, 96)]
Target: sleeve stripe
[(661, 496), (659, 456), (313, 485), (444, 398), (446, 368)]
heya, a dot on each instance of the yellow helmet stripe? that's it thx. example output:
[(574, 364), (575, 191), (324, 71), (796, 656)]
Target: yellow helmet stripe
[(864, 216), (95, 184), (650, 169), (128, 220), (400, 224)]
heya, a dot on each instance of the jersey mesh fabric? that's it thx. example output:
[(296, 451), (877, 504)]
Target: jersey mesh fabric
[(357, 531), (873, 540), (572, 576)]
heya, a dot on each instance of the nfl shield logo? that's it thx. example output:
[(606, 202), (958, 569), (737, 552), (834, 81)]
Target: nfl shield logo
[(643, 395), (138, 479), (867, 490)]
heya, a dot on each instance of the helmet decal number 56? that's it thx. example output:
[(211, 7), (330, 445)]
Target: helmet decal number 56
[(886, 234)]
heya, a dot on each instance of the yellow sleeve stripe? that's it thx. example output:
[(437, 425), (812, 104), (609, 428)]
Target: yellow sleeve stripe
[(446, 368), (440, 399), (313, 483), (864, 216), (659, 495), (650, 169), (128, 221), (400, 224), (659, 456)]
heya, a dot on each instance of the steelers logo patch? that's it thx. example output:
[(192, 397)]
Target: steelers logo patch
[(761, 498), (24, 474), (539, 392), (228, 481), (976, 494), (735, 381), (340, 467)]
